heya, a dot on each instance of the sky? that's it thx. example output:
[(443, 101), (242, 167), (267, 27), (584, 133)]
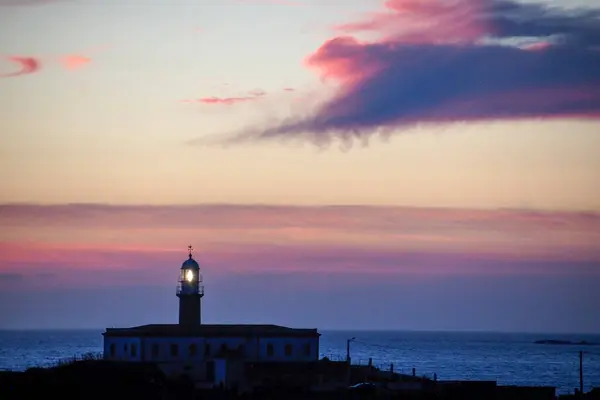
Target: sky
[(401, 164)]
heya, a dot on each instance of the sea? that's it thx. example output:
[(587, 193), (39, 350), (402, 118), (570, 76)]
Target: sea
[(508, 358)]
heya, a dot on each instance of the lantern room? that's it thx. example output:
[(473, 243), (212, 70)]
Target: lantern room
[(190, 277), (190, 290)]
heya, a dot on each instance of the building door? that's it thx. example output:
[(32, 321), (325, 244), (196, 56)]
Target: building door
[(210, 371)]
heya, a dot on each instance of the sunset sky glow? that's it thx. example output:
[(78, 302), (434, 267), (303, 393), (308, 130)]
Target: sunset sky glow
[(370, 164)]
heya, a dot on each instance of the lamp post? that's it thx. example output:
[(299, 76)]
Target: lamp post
[(348, 349), (349, 376)]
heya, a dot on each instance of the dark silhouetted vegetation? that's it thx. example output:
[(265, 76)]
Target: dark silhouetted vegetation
[(89, 378)]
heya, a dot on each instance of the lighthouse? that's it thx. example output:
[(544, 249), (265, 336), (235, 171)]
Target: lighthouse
[(207, 353), (190, 291)]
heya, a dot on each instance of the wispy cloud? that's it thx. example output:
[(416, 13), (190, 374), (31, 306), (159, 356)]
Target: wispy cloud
[(75, 61), (437, 62), (253, 95), (73, 240), (27, 65), (31, 64)]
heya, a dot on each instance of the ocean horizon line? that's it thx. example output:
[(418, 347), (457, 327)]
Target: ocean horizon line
[(335, 330)]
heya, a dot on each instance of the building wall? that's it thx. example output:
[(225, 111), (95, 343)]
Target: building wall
[(123, 348), (198, 348), (186, 349), (288, 349), (188, 355)]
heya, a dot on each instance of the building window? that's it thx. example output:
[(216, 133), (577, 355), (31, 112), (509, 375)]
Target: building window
[(223, 348), (241, 349), (113, 350), (206, 350), (288, 350), (193, 350), (307, 349), (125, 348), (174, 350), (270, 350), (133, 350), (155, 350)]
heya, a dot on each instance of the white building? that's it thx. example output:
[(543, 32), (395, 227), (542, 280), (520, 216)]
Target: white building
[(210, 353)]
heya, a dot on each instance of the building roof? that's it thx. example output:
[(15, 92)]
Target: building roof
[(175, 330), (190, 263)]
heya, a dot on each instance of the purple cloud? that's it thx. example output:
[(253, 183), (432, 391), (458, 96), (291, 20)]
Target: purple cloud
[(441, 62)]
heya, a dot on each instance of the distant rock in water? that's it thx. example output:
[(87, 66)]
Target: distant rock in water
[(568, 342)]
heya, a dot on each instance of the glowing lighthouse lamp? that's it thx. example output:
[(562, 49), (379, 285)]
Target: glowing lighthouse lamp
[(190, 291), (189, 275)]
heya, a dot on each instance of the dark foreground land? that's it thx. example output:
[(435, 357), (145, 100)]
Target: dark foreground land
[(104, 380)]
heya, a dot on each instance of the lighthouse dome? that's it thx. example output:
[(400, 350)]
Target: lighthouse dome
[(190, 263)]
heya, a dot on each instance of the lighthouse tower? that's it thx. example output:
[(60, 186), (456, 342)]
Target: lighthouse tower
[(190, 291)]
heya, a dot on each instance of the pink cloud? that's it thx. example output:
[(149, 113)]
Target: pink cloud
[(341, 59), (538, 46), (77, 61), (74, 264), (72, 62), (253, 95), (28, 65), (222, 100), (424, 21), (75, 240)]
